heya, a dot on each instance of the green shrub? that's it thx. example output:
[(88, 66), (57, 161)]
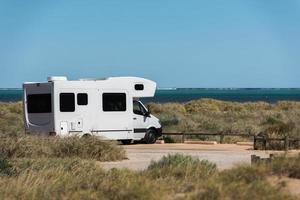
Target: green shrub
[(181, 166), (168, 139), (169, 120)]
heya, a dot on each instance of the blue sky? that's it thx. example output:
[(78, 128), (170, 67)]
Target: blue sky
[(209, 43)]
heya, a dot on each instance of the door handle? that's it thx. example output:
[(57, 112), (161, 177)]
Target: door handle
[(134, 118)]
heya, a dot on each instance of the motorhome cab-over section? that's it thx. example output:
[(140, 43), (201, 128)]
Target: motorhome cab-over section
[(109, 108)]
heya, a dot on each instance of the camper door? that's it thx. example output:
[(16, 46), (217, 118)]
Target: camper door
[(38, 107)]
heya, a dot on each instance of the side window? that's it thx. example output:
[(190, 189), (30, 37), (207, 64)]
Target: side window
[(113, 102), (67, 102), (82, 99), (137, 109)]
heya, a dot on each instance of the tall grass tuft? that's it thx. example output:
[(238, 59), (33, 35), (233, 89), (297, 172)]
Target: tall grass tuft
[(6, 169), (240, 182), (286, 166), (35, 147), (181, 166)]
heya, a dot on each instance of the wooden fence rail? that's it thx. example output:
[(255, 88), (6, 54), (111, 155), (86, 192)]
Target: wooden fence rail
[(265, 142), (220, 134)]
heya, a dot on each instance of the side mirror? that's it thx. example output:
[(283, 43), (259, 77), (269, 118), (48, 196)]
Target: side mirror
[(147, 114), (148, 108)]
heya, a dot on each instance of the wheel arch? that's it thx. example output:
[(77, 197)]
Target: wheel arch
[(157, 131)]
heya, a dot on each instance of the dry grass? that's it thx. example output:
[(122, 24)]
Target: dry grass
[(181, 167), (11, 119), (36, 147), (73, 179), (207, 115), (54, 168), (285, 166), (15, 144), (173, 177)]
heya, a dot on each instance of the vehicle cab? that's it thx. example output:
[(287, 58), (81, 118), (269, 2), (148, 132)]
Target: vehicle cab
[(145, 125)]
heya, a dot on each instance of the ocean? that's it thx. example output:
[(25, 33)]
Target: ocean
[(187, 94)]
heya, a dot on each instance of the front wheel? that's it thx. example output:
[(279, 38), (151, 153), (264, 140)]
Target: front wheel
[(150, 137)]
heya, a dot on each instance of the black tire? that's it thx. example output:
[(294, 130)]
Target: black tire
[(126, 142), (150, 137)]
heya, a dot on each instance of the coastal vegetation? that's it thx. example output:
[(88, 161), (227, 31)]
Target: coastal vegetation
[(210, 116), (173, 177), (14, 143), (205, 115), (11, 119), (54, 147), (33, 167)]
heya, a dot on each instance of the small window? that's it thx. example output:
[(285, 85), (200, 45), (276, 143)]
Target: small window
[(138, 108), (82, 99), (113, 102), (139, 87), (67, 102), (39, 103)]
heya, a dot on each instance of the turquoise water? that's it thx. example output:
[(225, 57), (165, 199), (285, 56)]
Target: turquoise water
[(187, 94), (239, 95), (7, 95)]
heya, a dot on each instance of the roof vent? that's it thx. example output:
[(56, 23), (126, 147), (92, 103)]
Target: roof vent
[(57, 78)]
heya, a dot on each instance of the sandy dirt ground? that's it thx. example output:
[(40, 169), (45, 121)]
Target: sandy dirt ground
[(290, 185), (224, 155)]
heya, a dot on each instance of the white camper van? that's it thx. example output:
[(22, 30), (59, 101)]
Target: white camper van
[(109, 108)]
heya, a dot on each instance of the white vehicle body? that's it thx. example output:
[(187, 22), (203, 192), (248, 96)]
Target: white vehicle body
[(107, 107)]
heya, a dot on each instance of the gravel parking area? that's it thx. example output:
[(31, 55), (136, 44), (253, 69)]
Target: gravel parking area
[(224, 155)]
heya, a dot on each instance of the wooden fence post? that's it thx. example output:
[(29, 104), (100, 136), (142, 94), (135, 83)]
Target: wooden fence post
[(254, 143), (265, 143), (221, 138), (182, 137), (286, 143)]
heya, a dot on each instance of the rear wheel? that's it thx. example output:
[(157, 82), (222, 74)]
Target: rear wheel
[(86, 135), (126, 142), (150, 137)]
